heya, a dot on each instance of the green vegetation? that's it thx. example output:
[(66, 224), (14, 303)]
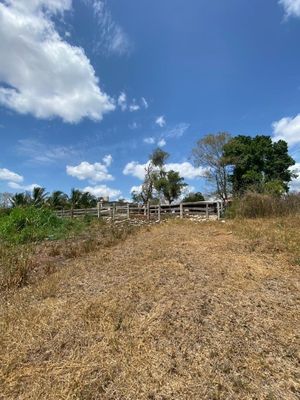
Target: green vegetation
[(193, 197), (32, 224), (259, 165), (57, 200), (159, 184)]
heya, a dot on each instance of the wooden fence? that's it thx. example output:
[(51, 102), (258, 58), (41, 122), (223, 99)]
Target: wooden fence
[(204, 209)]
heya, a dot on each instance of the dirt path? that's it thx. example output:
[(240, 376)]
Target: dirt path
[(179, 311)]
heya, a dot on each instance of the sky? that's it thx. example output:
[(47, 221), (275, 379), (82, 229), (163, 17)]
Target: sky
[(88, 88)]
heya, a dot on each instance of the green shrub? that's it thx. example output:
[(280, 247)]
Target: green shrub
[(30, 224)]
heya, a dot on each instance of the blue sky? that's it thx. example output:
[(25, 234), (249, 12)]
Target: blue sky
[(88, 88)]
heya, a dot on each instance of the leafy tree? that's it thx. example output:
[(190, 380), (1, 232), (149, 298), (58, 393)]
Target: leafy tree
[(75, 198), (158, 182), (38, 196), (159, 157), (88, 200), (258, 164), (57, 199), (169, 184), (20, 200), (193, 197), (208, 153)]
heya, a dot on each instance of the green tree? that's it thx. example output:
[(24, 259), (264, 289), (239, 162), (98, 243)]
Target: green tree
[(20, 200), (193, 197), (169, 184), (208, 153), (57, 199), (159, 157), (258, 164), (38, 196)]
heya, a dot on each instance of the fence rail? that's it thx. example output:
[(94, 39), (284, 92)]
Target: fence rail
[(205, 209)]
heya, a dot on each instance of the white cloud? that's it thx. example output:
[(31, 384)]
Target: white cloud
[(291, 7), (149, 140), (135, 169), (27, 188), (108, 160), (7, 175), (295, 183), (287, 129), (111, 37), (185, 169), (144, 102), (160, 121), (103, 191), (96, 172), (43, 74), (122, 101), (161, 143), (134, 107), (136, 189)]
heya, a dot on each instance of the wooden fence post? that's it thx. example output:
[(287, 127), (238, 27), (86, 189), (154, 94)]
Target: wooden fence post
[(98, 210), (181, 210), (148, 211), (128, 211), (207, 211), (218, 209), (158, 212)]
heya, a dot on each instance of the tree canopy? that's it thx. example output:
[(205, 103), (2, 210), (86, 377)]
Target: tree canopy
[(193, 197), (258, 164)]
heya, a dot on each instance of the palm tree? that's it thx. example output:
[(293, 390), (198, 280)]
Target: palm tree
[(39, 196), (58, 199), (88, 200), (20, 200), (75, 198)]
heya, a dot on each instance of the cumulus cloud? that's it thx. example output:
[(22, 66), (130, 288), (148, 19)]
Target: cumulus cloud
[(96, 172), (108, 160), (7, 175), (42, 74), (185, 169), (103, 191), (160, 121), (287, 129), (291, 7), (27, 188)]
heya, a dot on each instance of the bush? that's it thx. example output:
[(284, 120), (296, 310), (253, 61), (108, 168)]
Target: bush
[(30, 224), (254, 205)]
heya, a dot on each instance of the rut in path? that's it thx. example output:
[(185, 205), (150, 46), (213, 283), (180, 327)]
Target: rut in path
[(177, 311)]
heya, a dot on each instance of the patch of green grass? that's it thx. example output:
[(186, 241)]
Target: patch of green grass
[(30, 224)]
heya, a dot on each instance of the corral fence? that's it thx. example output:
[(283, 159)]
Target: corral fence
[(114, 211)]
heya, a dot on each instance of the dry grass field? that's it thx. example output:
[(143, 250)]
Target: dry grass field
[(180, 310)]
